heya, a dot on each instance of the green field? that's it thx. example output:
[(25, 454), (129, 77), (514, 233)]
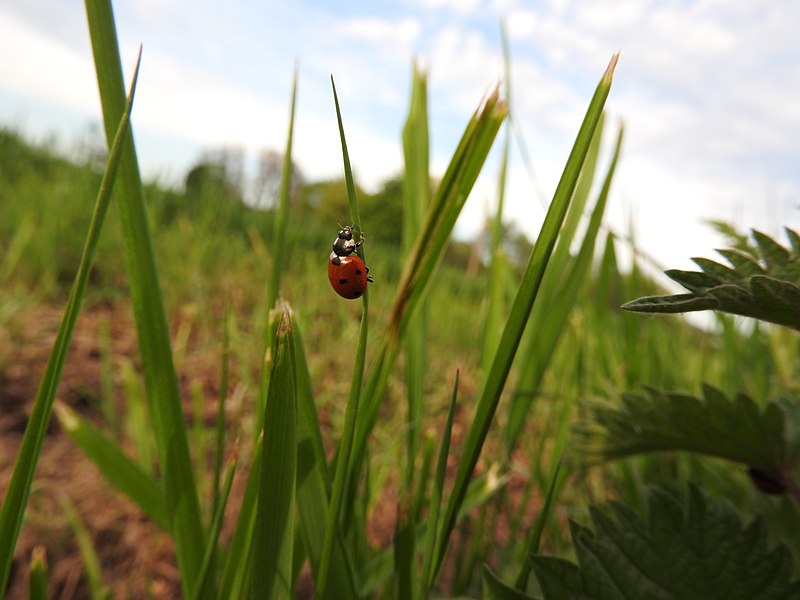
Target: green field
[(201, 447)]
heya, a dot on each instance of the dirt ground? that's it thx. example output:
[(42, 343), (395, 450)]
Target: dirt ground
[(135, 555), (137, 559)]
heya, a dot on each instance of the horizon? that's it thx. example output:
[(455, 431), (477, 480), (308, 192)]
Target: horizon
[(706, 90)]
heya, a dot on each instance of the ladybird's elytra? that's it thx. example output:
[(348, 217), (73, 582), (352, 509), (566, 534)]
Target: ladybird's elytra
[(346, 270), (348, 275)]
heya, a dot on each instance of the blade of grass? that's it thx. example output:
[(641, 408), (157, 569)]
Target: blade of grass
[(205, 576), (416, 198), (274, 527), (91, 562), (278, 252), (16, 497), (429, 545), (313, 479), (37, 584), (440, 217), (343, 471), (219, 426), (549, 317), (120, 470), (498, 266), (520, 311), (161, 380), (279, 226), (535, 536), (238, 560)]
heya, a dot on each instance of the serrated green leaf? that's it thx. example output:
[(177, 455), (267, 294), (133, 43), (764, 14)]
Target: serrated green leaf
[(791, 409), (794, 239), (769, 292), (714, 425), (692, 280), (772, 253), (742, 263), (696, 549), (720, 272), (778, 301), (559, 578), (678, 303), (495, 589)]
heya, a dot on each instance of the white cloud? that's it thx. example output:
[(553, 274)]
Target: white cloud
[(397, 33), (43, 67), (459, 6), (707, 89)]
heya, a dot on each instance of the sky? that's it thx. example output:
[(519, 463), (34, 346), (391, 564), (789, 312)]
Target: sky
[(708, 92)]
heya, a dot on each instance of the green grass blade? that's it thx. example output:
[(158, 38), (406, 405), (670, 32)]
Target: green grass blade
[(313, 479), (498, 267), (219, 425), (520, 311), (440, 217), (16, 497), (117, 467), (205, 575), (37, 584), (343, 472), (274, 527), (161, 381), (416, 198), (232, 582), (282, 211), (549, 317), (91, 562), (535, 536), (429, 545)]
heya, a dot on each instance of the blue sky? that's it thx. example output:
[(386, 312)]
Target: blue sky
[(708, 92)]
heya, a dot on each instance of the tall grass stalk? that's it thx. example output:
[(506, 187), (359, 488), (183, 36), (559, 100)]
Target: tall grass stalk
[(16, 497), (165, 404), (274, 525), (343, 472), (520, 311), (416, 198), (427, 250)]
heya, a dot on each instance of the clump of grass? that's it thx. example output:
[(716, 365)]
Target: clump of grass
[(303, 503)]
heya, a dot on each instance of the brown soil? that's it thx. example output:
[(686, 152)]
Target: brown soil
[(136, 557)]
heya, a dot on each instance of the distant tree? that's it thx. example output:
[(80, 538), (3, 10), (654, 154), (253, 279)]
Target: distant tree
[(218, 175), (382, 213), (327, 200), (267, 182)]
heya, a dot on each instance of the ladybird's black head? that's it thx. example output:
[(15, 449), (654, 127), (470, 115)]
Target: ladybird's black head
[(346, 232)]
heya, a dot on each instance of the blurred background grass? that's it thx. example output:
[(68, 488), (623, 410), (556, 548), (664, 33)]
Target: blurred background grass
[(212, 247)]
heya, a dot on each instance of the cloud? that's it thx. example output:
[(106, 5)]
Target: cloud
[(399, 34), (44, 67), (707, 90)]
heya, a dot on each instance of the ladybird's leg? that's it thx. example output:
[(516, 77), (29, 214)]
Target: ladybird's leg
[(369, 277)]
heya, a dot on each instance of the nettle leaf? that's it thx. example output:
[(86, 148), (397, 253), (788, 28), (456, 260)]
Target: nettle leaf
[(764, 285), (693, 549), (733, 429)]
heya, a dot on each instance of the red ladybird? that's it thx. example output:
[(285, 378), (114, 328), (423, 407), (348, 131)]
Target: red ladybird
[(346, 270)]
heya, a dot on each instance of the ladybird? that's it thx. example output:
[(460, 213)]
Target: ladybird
[(346, 270)]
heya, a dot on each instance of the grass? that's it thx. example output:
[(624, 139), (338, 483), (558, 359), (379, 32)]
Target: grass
[(313, 417)]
